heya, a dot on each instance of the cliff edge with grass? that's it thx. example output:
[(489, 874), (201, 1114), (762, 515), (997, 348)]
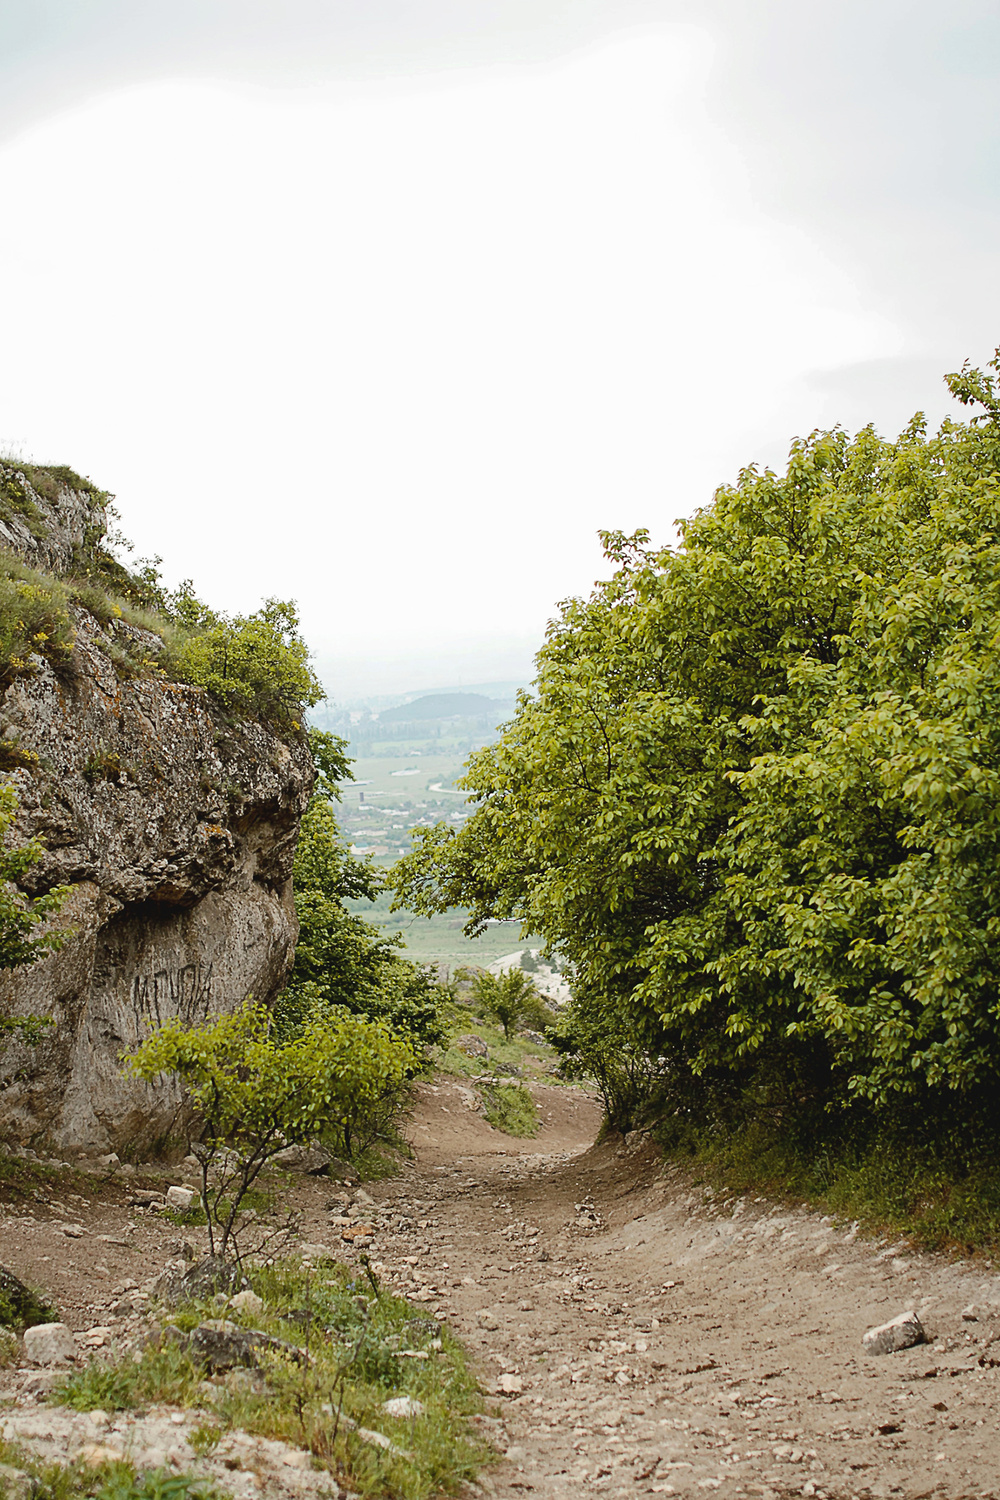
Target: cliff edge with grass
[(170, 808)]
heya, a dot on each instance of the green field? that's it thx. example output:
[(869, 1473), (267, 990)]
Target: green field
[(398, 792)]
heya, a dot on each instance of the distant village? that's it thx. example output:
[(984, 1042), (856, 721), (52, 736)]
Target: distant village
[(408, 753)]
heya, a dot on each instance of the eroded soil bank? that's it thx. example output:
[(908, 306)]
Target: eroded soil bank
[(664, 1344)]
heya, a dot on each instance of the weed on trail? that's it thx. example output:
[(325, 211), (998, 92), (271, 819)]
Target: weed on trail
[(510, 1108), (338, 1349)]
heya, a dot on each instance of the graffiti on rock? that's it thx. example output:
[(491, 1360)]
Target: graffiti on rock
[(185, 993)]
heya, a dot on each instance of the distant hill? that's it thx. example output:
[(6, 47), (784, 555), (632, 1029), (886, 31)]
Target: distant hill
[(446, 706)]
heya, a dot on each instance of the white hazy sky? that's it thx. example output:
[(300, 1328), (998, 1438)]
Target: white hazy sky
[(389, 308)]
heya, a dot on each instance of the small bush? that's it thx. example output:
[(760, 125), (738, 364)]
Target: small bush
[(509, 1107), (257, 665), (249, 1094)]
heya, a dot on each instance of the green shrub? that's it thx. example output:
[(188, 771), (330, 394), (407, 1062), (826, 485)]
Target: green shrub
[(510, 999), (257, 665), (248, 1094)]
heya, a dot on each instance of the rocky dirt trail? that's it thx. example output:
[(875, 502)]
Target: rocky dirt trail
[(641, 1339), (635, 1336)]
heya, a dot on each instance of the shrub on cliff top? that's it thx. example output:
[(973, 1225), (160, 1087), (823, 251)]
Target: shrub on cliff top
[(256, 664)]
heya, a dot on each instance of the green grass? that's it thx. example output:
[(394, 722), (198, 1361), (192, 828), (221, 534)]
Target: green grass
[(883, 1180), (530, 1058), (352, 1331), (510, 1108)]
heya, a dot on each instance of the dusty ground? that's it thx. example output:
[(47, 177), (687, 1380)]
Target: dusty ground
[(637, 1338)]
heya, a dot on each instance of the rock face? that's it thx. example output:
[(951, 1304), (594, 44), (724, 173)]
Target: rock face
[(176, 827)]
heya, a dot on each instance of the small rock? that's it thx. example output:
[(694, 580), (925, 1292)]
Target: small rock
[(247, 1302), (404, 1406), (74, 1231), (488, 1320), (180, 1197), (49, 1344), (39, 1382), (901, 1333), (111, 1161), (364, 1199), (473, 1046), (96, 1454), (99, 1418), (316, 1252), (510, 1385), (313, 1161)]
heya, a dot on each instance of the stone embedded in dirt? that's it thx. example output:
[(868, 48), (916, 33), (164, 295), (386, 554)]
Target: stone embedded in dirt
[(488, 1319), (221, 1346), (96, 1454), (144, 1197), (49, 1344), (404, 1406), (180, 1197), (179, 1282), (510, 1385), (316, 1252), (357, 1232), (473, 1046), (901, 1333), (313, 1161), (247, 1302)]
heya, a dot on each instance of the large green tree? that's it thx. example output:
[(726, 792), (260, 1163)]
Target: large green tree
[(755, 799)]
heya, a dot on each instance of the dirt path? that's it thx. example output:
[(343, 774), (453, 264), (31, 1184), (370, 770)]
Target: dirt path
[(636, 1338), (641, 1340)]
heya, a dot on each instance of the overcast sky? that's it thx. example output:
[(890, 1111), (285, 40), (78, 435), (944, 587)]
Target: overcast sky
[(388, 307)]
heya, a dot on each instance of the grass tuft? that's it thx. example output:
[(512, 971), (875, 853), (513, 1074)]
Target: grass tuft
[(362, 1346)]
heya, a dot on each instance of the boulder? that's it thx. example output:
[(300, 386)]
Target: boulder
[(179, 1282), (220, 1346), (180, 1197), (18, 1303), (312, 1161), (901, 1333), (49, 1344), (174, 822), (473, 1046)]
